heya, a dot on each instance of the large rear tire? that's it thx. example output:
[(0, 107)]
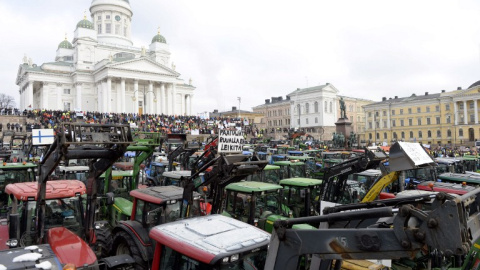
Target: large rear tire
[(124, 244), (103, 244)]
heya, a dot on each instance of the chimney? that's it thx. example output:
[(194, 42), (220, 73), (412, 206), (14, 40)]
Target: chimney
[(384, 98), (426, 93), (396, 97), (215, 111), (267, 101), (234, 108), (288, 97), (459, 88), (443, 91), (280, 98)]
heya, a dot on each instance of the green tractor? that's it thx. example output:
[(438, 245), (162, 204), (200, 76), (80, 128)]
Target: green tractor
[(11, 173)]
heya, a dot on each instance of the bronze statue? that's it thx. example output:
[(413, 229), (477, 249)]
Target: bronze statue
[(343, 110)]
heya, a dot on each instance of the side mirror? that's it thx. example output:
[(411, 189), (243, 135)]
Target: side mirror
[(110, 198)]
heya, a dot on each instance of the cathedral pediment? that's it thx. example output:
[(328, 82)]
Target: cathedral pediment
[(144, 65)]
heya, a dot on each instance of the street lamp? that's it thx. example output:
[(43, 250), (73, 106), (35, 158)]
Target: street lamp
[(239, 101), (145, 97)]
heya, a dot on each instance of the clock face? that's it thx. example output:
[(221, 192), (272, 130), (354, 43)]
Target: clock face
[(117, 18)]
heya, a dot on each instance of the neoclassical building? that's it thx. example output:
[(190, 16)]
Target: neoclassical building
[(101, 70), (439, 119)]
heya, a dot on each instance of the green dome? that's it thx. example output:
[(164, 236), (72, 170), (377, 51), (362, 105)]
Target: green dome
[(65, 44), (159, 38), (85, 24)]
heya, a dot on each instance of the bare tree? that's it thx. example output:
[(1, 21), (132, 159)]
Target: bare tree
[(6, 101)]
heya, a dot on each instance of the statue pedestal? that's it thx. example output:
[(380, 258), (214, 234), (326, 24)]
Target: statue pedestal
[(344, 126)]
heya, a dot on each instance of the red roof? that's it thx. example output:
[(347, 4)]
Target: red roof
[(56, 189)]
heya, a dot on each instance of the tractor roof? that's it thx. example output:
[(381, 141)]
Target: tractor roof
[(301, 182), (252, 186), (56, 189), (177, 174), (271, 167), (16, 165), (124, 166), (159, 194), (288, 163), (210, 238)]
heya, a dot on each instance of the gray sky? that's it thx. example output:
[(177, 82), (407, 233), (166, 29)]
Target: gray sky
[(258, 49)]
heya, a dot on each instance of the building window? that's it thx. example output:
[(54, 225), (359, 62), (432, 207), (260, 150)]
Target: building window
[(66, 91), (460, 133), (326, 106), (393, 112), (471, 105), (394, 135), (125, 31), (447, 107), (403, 135), (419, 109), (99, 17), (410, 122), (384, 113), (384, 124), (472, 118), (393, 123), (401, 111), (369, 125), (460, 106), (369, 136), (298, 108), (316, 120), (117, 29), (402, 123), (385, 135), (369, 114), (306, 121), (449, 133), (447, 119), (99, 29), (377, 124), (410, 110), (315, 107), (419, 121), (439, 134), (437, 108), (331, 107), (66, 106), (108, 28), (438, 120), (108, 17), (307, 108), (411, 134), (420, 134), (428, 121), (377, 135), (428, 109), (429, 134)]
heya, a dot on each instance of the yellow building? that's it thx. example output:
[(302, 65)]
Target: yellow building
[(442, 119)]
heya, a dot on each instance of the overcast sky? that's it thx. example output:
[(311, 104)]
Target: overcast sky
[(262, 49)]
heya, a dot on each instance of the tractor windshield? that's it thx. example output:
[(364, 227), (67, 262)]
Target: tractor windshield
[(171, 259)]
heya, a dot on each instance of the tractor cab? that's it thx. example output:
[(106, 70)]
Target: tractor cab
[(11, 173), (255, 203), (302, 195), (269, 174), (72, 172), (175, 178), (291, 169), (63, 207), (119, 185), (210, 242), (155, 171)]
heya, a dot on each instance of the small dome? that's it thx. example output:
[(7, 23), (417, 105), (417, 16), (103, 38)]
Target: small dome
[(85, 24), (477, 83), (159, 38), (65, 44)]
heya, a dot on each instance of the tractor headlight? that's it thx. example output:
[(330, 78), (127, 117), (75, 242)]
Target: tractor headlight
[(225, 260), (234, 257), (12, 243)]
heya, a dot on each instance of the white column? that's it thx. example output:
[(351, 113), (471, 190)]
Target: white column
[(163, 98), (158, 103), (119, 97), (169, 99), (109, 95), (475, 107), (104, 96), (455, 111), (99, 96), (135, 102), (174, 96), (44, 96), (30, 95), (465, 116), (150, 98), (182, 104), (59, 97), (122, 95), (78, 98)]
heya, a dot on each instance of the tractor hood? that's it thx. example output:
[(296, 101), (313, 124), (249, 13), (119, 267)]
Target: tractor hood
[(70, 248), (123, 206)]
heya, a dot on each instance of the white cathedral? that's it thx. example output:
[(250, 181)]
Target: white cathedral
[(102, 71)]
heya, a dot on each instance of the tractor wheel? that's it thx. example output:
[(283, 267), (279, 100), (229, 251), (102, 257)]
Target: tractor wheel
[(124, 244), (104, 242)]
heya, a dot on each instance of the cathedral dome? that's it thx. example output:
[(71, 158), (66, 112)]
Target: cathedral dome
[(65, 44), (85, 24), (159, 38)]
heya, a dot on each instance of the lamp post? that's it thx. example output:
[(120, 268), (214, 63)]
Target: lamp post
[(239, 101), (145, 91)]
